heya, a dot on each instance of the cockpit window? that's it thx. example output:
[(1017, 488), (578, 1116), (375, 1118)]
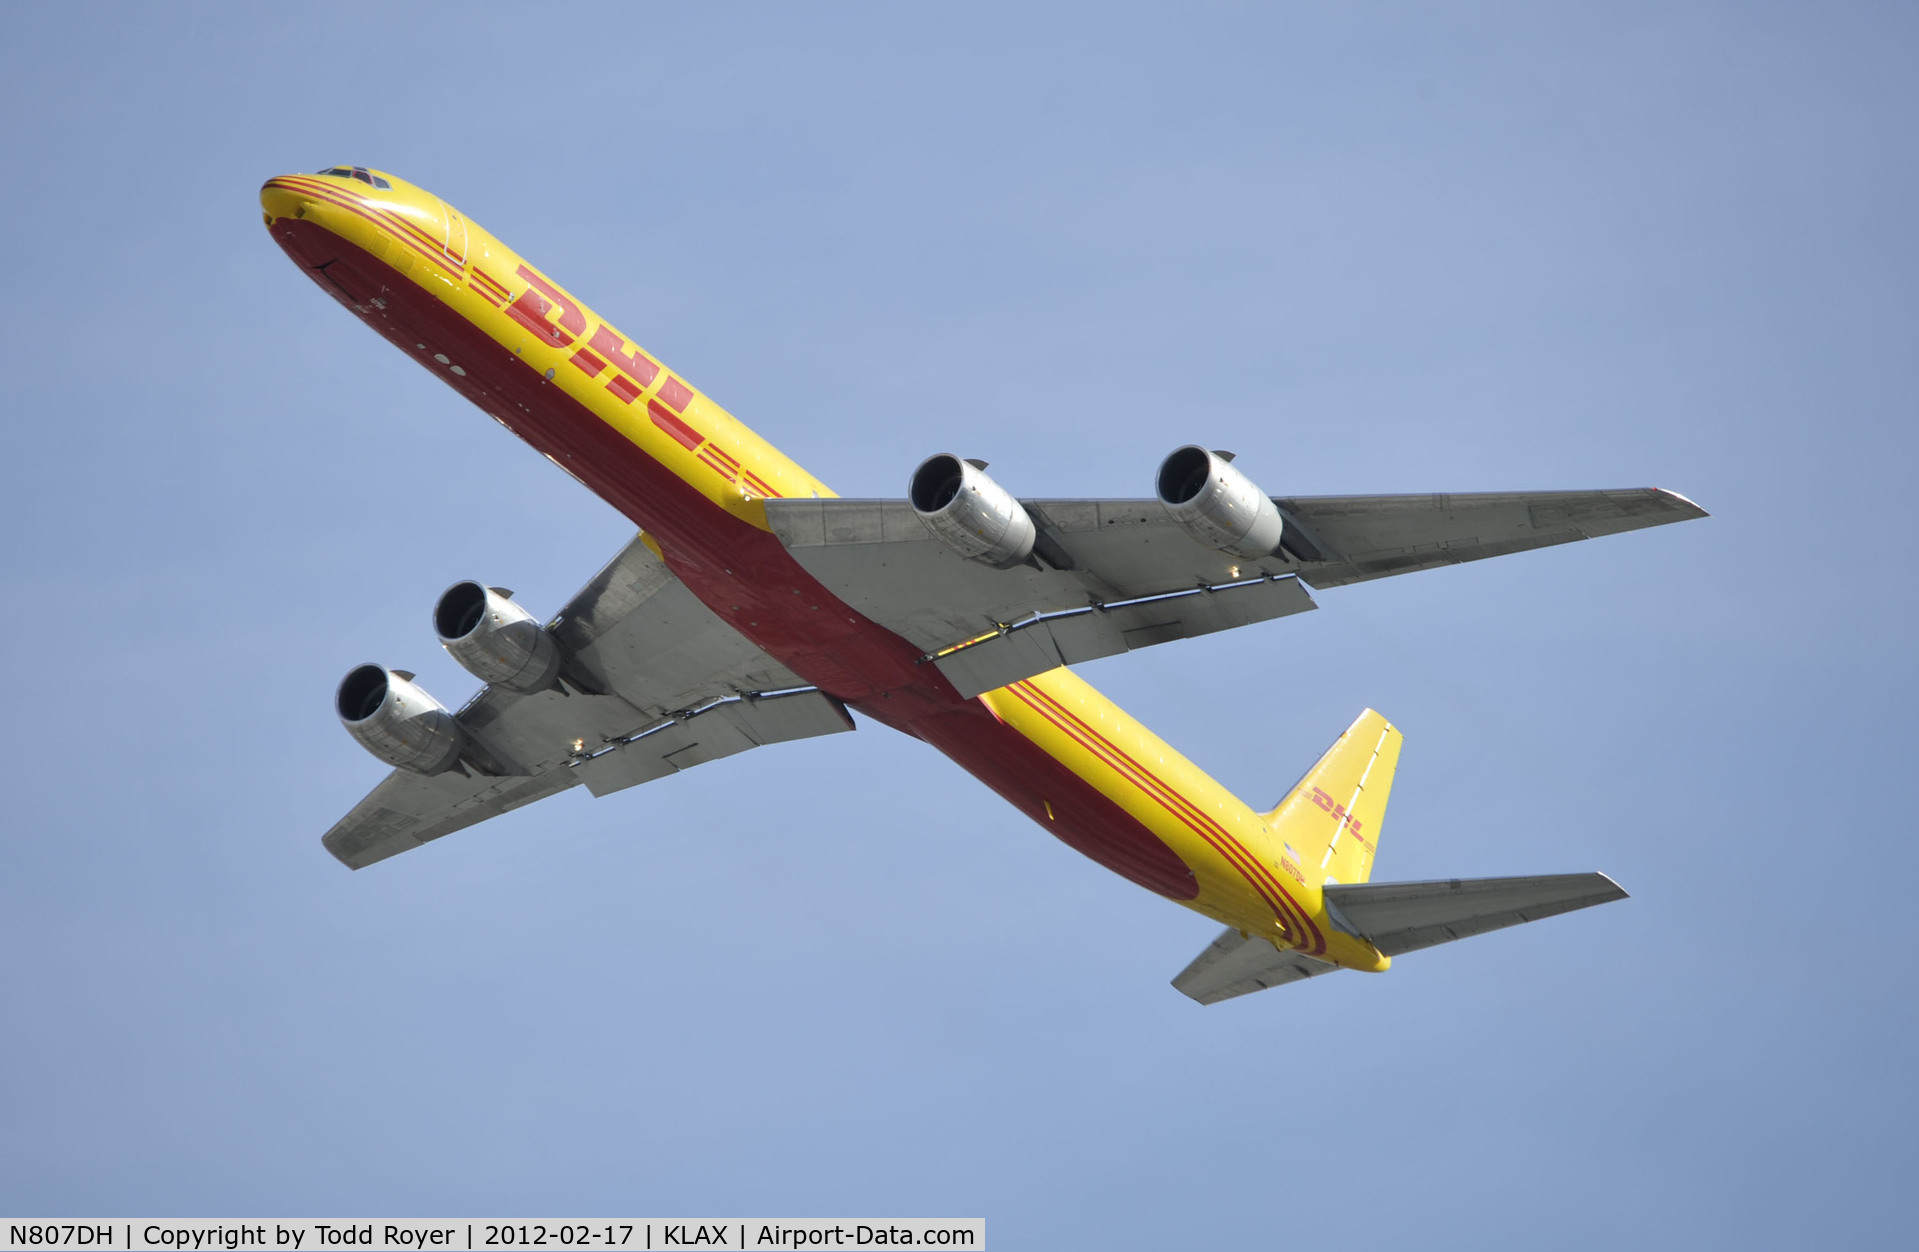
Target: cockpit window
[(359, 172)]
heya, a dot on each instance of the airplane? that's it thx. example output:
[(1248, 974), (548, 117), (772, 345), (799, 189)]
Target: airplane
[(755, 606)]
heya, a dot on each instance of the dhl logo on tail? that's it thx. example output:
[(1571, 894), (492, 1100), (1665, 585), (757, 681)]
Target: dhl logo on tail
[(1332, 817)]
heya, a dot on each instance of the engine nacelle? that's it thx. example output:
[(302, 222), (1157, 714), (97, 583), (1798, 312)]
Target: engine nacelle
[(970, 513), (397, 721), (496, 640), (1218, 505)]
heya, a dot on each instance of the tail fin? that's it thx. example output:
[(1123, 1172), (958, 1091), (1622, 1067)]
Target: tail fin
[(1330, 822)]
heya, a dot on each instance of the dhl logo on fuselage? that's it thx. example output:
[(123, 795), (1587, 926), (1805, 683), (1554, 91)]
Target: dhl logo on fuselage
[(634, 372), (534, 310)]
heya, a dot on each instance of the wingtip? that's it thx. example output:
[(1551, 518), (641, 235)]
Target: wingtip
[(1687, 505), (344, 858), (1196, 998)]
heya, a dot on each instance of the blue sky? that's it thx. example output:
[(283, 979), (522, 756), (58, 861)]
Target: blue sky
[(1378, 249)]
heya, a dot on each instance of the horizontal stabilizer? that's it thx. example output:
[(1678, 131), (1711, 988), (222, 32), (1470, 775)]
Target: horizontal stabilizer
[(1407, 916), (1397, 917), (1235, 965)]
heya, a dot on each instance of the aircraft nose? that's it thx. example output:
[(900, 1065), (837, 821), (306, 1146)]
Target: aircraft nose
[(282, 197)]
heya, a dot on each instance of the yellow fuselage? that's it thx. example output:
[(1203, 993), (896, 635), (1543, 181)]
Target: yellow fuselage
[(695, 479)]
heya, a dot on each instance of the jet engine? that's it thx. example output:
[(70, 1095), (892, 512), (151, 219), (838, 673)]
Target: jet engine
[(969, 512), (496, 640), (397, 721), (1218, 505)]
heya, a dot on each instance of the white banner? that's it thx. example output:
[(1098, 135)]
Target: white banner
[(463, 1234)]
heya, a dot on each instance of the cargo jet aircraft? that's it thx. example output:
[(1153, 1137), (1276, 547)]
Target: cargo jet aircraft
[(755, 606)]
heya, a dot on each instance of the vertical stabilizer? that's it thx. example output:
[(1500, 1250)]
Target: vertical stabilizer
[(1330, 821)]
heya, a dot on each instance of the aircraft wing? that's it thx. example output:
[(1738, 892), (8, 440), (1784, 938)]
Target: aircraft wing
[(1114, 575), (1397, 917), (656, 684)]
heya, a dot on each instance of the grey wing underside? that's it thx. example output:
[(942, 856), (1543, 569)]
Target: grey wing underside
[(1397, 918), (1114, 575), (1402, 917), (1237, 964), (1366, 537), (659, 684)]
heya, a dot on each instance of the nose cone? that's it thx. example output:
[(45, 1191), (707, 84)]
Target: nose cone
[(293, 208), (283, 197)]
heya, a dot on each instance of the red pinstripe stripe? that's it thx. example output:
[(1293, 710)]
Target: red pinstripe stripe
[(406, 223), (1256, 871), (1218, 837), (398, 224), (359, 208), (753, 481), (476, 274), (1187, 814)]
